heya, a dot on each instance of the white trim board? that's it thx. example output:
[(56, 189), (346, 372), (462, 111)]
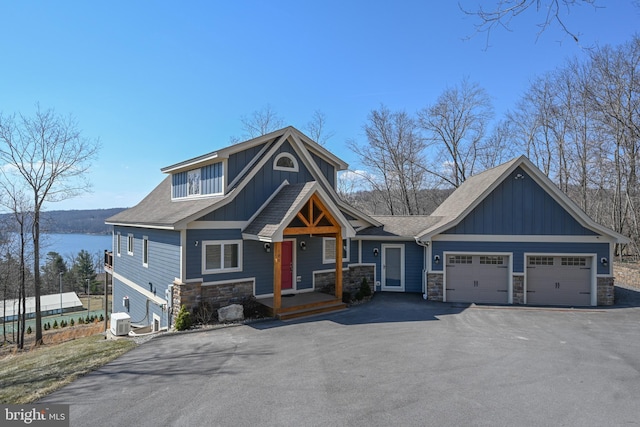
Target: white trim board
[(150, 296), (519, 238)]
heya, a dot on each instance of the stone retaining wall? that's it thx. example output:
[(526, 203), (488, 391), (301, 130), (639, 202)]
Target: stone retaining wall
[(627, 274), (605, 290)]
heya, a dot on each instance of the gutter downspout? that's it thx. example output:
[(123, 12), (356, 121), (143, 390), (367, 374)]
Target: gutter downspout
[(425, 269)]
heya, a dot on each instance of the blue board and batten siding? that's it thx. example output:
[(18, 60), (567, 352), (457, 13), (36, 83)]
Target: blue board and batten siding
[(327, 169), (518, 249), (211, 181), (260, 188), (237, 161), (413, 261), (162, 269), (519, 206)]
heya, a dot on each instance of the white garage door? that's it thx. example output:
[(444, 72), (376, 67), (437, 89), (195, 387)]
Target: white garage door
[(477, 278), (559, 280)]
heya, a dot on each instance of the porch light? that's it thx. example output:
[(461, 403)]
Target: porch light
[(267, 247), (436, 259), (604, 261), (375, 251), (303, 246)]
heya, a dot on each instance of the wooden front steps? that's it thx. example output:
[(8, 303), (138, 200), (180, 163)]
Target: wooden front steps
[(304, 304)]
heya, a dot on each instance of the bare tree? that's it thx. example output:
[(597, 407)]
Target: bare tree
[(316, 128), (505, 11), (261, 122), (393, 154), (455, 127), (50, 155)]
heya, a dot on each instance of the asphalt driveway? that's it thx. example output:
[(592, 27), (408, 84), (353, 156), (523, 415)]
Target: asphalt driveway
[(397, 360)]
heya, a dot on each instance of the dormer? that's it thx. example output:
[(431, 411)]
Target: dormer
[(198, 178)]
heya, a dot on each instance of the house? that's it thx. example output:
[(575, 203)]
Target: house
[(262, 219)]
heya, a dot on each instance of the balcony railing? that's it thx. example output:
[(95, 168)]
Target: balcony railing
[(108, 260)]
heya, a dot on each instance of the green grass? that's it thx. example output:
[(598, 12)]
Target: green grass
[(29, 376)]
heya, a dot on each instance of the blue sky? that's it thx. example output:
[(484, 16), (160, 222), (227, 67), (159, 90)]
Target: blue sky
[(160, 82)]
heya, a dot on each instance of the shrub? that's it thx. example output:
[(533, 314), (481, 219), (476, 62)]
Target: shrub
[(251, 308), (365, 288), (346, 297), (359, 295), (183, 320), (101, 318), (87, 319), (55, 324), (29, 330), (80, 320), (204, 314), (72, 322), (63, 323)]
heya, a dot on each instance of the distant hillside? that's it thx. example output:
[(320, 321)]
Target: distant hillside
[(87, 221)]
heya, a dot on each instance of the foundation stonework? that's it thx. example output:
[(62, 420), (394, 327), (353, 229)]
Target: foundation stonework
[(191, 295), (351, 279), (606, 290), (435, 291), (518, 289)]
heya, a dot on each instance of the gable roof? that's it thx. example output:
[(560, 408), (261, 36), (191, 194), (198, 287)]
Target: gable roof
[(158, 210), (271, 220), (476, 188)]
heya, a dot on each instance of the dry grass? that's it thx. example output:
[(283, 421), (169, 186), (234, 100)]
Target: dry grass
[(28, 376)]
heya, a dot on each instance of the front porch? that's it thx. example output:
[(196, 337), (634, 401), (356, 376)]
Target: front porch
[(302, 304)]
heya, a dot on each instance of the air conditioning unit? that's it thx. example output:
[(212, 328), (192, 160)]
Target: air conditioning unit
[(120, 323)]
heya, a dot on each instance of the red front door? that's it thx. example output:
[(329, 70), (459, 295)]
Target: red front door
[(287, 265)]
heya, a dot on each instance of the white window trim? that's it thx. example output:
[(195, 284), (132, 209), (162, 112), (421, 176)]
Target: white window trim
[(118, 243), (130, 243), (198, 190), (222, 269), (281, 168), (145, 251), (326, 260)]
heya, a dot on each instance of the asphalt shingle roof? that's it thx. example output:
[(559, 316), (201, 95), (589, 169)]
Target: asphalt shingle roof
[(283, 206), (157, 209)]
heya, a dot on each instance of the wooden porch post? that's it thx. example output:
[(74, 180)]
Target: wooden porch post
[(339, 264), (277, 277)]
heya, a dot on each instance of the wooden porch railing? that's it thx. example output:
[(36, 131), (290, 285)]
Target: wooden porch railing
[(108, 259)]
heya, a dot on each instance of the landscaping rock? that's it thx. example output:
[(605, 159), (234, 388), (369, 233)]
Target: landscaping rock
[(231, 313)]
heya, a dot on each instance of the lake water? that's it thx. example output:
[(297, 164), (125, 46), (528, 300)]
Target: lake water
[(70, 244)]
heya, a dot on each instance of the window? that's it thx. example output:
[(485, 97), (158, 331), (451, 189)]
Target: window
[(461, 259), (494, 260), (193, 182), (285, 162), (130, 244), (145, 251), (221, 256), (575, 261), (118, 243), (541, 260), (329, 250)]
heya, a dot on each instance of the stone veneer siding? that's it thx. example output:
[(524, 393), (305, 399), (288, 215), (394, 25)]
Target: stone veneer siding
[(435, 291), (192, 294), (325, 282), (518, 289), (606, 290)]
